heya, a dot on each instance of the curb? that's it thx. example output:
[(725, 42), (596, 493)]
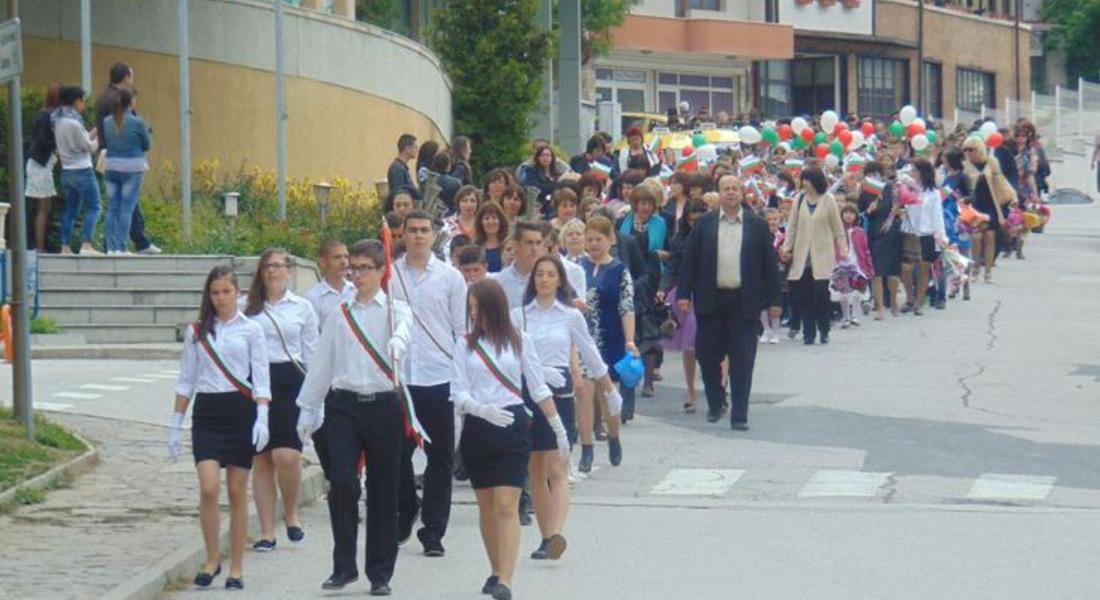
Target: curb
[(182, 564), (70, 468), (109, 351)]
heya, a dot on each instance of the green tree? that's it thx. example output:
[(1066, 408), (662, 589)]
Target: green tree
[(598, 18), (495, 55), (1077, 24)]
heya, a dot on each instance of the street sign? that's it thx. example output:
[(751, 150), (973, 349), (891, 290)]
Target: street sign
[(11, 50)]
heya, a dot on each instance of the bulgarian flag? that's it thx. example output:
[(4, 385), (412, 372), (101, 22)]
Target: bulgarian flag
[(794, 165), (855, 162), (873, 186), (688, 163), (599, 166), (755, 189), (655, 145), (751, 164)]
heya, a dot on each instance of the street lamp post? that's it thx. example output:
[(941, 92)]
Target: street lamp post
[(322, 190)]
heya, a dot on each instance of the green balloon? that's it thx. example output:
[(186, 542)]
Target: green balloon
[(770, 136), (820, 137), (897, 129), (931, 135), (798, 143), (837, 148), (698, 140)]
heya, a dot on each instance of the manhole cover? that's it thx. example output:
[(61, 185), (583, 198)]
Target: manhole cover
[(1068, 196)]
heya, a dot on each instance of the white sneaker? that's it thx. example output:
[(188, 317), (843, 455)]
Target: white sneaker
[(774, 339), (152, 249)]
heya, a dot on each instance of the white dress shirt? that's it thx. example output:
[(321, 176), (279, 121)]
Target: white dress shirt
[(557, 329), (297, 322), (240, 344), (514, 284), (342, 362), (324, 298), (729, 250), (575, 274), (437, 298), (473, 382), (926, 218)]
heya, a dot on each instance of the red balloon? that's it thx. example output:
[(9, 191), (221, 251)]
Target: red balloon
[(845, 137), (867, 129), (785, 132), (995, 139), (687, 151), (914, 128), (807, 135), (822, 151), (840, 126)]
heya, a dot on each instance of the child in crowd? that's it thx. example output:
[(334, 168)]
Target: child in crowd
[(854, 271), (772, 324)]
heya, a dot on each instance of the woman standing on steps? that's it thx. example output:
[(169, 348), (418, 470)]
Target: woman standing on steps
[(291, 333), (224, 367), (555, 326)]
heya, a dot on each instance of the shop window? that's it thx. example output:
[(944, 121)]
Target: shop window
[(882, 85), (974, 89)]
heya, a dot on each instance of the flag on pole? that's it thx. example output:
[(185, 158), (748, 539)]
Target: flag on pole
[(873, 186), (655, 145), (751, 164)]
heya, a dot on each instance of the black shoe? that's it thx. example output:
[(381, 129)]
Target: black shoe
[(585, 464), (432, 547), (461, 474), (614, 451), (713, 416), (501, 592), (234, 583), (824, 339), (739, 426), (205, 579), (405, 528), (543, 552), (808, 341), (939, 305), (264, 545), (524, 516), (490, 584), (337, 581), (380, 589), (295, 534)]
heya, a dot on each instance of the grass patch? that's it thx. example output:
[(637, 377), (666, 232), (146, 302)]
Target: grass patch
[(21, 460), (44, 325), (30, 495)]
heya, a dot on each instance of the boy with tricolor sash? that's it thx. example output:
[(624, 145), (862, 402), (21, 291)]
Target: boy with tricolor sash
[(358, 356)]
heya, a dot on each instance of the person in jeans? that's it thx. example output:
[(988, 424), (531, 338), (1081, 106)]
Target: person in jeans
[(126, 138), (75, 145), (41, 158)]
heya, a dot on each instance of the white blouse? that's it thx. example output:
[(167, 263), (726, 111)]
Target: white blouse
[(325, 298), (240, 344), (297, 322), (473, 382), (554, 331)]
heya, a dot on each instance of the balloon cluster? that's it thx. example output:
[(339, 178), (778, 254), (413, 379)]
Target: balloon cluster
[(990, 135)]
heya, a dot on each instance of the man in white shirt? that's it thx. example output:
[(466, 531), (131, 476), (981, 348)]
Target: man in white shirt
[(333, 287), (436, 293), (529, 248), (355, 359)]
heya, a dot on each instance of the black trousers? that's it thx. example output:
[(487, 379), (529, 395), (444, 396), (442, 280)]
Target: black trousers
[(727, 333), (814, 306), (437, 415), (320, 444), (353, 426)]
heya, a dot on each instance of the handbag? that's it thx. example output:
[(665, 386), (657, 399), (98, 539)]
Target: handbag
[(282, 339), (101, 162)]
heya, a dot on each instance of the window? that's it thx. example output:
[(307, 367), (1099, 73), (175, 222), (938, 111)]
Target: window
[(932, 81), (882, 85), (706, 4), (774, 87), (771, 11), (974, 89), (813, 84), (628, 87), (716, 93)]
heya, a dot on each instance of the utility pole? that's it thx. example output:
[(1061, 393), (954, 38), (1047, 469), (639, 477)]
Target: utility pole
[(280, 108), (920, 57), (185, 116), (1016, 47)]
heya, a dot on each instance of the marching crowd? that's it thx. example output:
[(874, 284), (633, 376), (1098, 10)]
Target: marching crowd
[(520, 317)]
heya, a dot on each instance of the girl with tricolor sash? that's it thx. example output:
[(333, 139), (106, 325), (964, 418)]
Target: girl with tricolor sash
[(224, 367)]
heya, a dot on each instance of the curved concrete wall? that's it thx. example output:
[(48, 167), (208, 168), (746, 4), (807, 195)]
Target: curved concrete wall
[(351, 88)]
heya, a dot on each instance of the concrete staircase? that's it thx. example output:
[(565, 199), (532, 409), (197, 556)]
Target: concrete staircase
[(136, 299)]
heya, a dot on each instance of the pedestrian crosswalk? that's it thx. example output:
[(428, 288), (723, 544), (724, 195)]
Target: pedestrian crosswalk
[(993, 488)]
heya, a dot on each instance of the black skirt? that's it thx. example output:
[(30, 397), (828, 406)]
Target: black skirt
[(282, 416), (542, 436), (221, 429), (496, 456)]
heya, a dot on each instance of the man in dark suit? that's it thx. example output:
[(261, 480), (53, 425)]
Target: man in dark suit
[(729, 273)]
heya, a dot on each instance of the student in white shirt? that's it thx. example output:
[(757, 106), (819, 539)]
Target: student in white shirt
[(436, 294), (549, 319), (488, 373), (334, 287), (350, 388), (923, 234), (290, 333), (223, 365)]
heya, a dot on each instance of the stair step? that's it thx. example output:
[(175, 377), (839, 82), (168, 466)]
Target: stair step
[(161, 314), (70, 296), (185, 280), (121, 264), (124, 333)]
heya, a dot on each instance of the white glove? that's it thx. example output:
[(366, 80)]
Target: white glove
[(561, 436), (260, 433), (501, 417), (553, 377), (307, 418), (615, 401), (175, 437), (396, 348)]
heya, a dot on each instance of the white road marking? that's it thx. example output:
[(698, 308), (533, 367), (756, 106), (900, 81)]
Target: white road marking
[(1078, 278), (160, 375), (77, 395), (851, 484), (697, 482), (999, 486), (174, 372), (53, 406), (103, 387), (133, 379)]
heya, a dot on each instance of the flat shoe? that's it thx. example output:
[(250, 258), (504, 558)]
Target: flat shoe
[(234, 583), (490, 584), (205, 579), (555, 546), (689, 408), (380, 589), (295, 534), (501, 592), (541, 553)]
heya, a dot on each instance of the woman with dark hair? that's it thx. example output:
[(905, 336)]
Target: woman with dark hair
[(649, 231), (41, 159), (876, 201), (683, 339), (555, 326), (126, 138), (814, 234), (448, 185), (424, 158), (467, 200), (565, 207), (224, 367), (677, 206), (490, 230), (291, 331), (514, 203), (922, 233), (636, 150), (541, 174), (461, 150), (956, 190), (591, 185), (497, 183), (75, 145), (492, 365)]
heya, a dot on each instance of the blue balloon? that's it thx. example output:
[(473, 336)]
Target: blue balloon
[(630, 369)]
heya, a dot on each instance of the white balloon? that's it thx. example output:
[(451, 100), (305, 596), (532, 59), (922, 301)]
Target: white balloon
[(769, 124), (786, 146), (749, 135), (798, 124), (988, 128), (857, 140), (919, 142), (829, 119), (707, 154), (907, 114), (831, 160)]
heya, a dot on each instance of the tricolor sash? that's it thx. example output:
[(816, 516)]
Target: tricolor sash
[(242, 385), (496, 371)]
